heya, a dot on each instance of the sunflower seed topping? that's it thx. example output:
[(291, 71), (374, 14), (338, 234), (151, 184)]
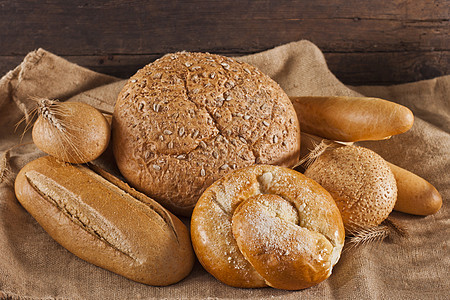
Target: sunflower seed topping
[(229, 84)]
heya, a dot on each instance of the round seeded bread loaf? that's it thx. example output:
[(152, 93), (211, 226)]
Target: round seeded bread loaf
[(187, 119)]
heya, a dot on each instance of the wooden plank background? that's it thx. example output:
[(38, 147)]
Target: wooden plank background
[(364, 42)]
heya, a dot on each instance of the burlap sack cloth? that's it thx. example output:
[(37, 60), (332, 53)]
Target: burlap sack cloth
[(33, 266)]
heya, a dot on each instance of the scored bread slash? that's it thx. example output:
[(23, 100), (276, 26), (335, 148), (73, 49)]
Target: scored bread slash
[(112, 181), (70, 204), (102, 220)]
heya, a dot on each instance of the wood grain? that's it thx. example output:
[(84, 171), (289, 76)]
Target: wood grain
[(364, 41)]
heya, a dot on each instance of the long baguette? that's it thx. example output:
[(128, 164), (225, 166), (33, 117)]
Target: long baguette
[(105, 222), (351, 119)]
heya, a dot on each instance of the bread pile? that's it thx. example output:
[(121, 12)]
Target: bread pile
[(202, 133)]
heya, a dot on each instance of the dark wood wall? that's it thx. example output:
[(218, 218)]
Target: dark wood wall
[(365, 42)]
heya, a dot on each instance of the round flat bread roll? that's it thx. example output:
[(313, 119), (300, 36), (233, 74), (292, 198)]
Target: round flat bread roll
[(267, 225), (188, 119)]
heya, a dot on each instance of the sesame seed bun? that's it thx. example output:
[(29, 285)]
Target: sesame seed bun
[(187, 119), (360, 181)]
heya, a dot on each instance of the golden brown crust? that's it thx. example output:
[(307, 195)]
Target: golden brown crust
[(77, 133), (361, 183), (415, 195), (105, 224), (352, 119), (187, 119), (267, 225)]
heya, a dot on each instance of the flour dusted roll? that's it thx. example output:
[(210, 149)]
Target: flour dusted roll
[(267, 226), (103, 221), (187, 119)]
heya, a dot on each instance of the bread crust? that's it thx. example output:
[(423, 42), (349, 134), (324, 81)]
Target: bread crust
[(360, 181), (267, 225), (352, 119), (415, 195), (109, 225), (188, 119), (84, 136)]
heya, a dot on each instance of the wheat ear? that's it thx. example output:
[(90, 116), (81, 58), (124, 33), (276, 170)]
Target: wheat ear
[(318, 150), (5, 168), (389, 228)]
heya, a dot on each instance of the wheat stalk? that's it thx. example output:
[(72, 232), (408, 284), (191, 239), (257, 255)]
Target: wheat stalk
[(318, 150), (5, 168), (389, 228), (66, 133)]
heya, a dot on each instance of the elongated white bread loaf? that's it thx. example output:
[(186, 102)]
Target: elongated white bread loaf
[(103, 221)]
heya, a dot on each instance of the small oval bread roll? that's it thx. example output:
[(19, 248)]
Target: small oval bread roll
[(187, 119), (361, 183), (101, 220), (73, 132), (267, 225)]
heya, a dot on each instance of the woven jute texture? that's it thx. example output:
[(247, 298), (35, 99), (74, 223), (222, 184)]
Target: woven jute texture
[(33, 266)]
